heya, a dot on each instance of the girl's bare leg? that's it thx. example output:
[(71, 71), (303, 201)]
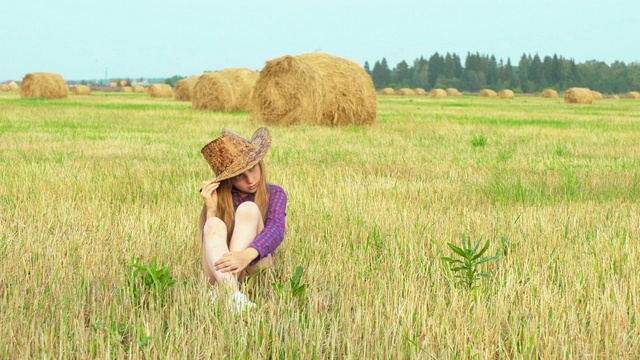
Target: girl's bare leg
[(213, 247), (248, 224)]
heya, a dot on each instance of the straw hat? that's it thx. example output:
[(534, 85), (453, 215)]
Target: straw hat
[(230, 154)]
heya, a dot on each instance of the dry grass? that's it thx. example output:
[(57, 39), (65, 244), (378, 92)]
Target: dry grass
[(437, 93), (632, 95), (578, 96), (45, 85), (88, 185), (453, 92), (405, 91), (597, 95), (314, 88), (160, 91), (81, 90), (488, 93), (506, 94), (184, 88), (226, 90)]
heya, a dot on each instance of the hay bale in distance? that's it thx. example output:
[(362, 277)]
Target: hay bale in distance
[(42, 84), (632, 95), (226, 90), (11, 86), (453, 92), (405, 91), (314, 88), (138, 89), (184, 88), (488, 93), (596, 95), (506, 94), (387, 91), (420, 91), (549, 93), (126, 89), (437, 93), (81, 90), (578, 96), (160, 91), (615, 97)]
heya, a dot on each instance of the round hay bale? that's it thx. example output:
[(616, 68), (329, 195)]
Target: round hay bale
[(420, 91), (138, 89), (46, 85), (11, 86), (632, 95), (437, 93), (453, 92), (405, 91), (615, 97), (488, 93), (387, 91), (126, 89), (506, 94), (578, 96), (184, 88), (315, 88), (549, 93), (226, 90), (596, 95), (81, 90), (160, 91)]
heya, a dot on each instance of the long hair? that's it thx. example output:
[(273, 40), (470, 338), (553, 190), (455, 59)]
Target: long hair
[(226, 211)]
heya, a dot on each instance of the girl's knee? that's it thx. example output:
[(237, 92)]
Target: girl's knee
[(215, 227), (248, 210)]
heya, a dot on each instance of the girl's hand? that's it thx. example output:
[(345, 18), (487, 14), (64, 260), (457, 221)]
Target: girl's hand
[(210, 196), (235, 261)]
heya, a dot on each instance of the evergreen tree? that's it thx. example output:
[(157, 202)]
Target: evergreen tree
[(386, 72), (420, 73), (436, 64), (523, 73), (402, 75), (492, 73), (366, 68), (556, 71), (535, 73)]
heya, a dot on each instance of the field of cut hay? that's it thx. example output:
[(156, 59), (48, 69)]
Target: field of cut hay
[(100, 256)]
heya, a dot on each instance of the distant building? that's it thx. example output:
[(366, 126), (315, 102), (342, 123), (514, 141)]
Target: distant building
[(144, 83)]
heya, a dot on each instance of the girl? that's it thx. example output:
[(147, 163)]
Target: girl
[(242, 220)]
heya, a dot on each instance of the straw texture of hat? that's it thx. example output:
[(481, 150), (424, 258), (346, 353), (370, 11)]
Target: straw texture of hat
[(230, 154)]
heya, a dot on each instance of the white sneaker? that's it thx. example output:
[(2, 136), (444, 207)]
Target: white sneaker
[(239, 302), (213, 294)]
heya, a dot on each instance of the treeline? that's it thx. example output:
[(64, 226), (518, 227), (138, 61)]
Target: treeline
[(531, 74)]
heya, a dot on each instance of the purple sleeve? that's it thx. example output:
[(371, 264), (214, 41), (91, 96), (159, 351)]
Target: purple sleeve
[(273, 233)]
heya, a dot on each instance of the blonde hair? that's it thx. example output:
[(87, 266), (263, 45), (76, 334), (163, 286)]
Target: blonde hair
[(226, 211)]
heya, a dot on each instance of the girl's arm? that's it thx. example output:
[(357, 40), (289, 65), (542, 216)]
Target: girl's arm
[(273, 233)]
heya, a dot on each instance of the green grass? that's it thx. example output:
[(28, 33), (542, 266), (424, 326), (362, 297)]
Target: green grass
[(89, 183)]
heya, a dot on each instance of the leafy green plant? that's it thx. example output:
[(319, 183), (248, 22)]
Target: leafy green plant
[(467, 269), (295, 288), (149, 281), (479, 141)]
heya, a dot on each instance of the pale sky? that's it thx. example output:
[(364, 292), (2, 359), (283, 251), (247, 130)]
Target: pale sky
[(161, 38)]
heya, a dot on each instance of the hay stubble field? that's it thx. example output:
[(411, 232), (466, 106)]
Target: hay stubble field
[(87, 184)]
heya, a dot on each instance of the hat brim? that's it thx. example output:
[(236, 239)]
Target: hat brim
[(259, 146)]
